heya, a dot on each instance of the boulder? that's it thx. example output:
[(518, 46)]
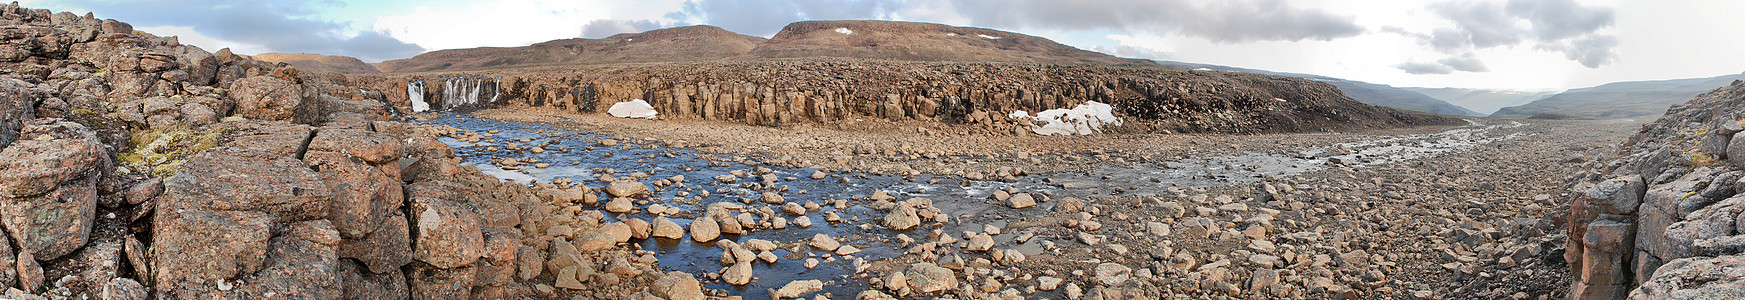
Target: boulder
[(1112, 274), (823, 242), (371, 147), (626, 188), (1696, 278), (902, 218), (737, 274), (268, 98), (677, 286), (384, 250), (363, 195), (304, 262), (445, 234), (237, 179), (1023, 200), (17, 105), (426, 282), (361, 283), (48, 186), (606, 237), (195, 249), (928, 278), (1735, 149), (705, 229), (795, 289), (666, 228)]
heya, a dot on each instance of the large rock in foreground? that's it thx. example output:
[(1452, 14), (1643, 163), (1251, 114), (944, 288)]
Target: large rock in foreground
[(48, 192)]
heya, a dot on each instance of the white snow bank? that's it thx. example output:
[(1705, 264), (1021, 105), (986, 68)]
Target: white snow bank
[(632, 109), (988, 36), (844, 31), (1018, 115), (1083, 119)]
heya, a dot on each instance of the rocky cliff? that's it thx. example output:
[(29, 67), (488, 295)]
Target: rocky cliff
[(1661, 221), (134, 167), (823, 91)]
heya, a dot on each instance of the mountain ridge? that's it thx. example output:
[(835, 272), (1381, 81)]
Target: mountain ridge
[(1627, 99)]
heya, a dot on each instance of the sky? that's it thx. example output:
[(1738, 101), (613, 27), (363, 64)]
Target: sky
[(1490, 44)]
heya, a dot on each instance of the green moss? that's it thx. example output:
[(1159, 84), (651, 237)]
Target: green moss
[(83, 112), (162, 151)]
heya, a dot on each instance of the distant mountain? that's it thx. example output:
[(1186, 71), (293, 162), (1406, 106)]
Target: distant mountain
[(892, 40), (1622, 99), (1484, 101), (319, 63), (1369, 93), (690, 43)]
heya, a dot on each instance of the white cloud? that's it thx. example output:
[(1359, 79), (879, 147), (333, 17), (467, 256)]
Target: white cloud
[(512, 23), (187, 35)]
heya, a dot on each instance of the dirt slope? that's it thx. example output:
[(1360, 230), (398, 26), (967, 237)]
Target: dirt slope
[(691, 43), (320, 63)]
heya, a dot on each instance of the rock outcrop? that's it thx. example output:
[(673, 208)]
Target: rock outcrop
[(1664, 215), (134, 167), (982, 95)]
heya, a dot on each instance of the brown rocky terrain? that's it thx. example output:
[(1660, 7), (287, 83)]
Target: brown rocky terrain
[(1659, 219), (691, 43), (310, 62), (134, 167)]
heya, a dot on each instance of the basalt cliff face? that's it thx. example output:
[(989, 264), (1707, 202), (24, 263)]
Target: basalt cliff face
[(134, 167), (786, 92), (1661, 221), (834, 71)]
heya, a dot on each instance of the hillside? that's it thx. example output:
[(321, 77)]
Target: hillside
[(319, 63), (691, 43), (1622, 99), (1368, 93), (913, 41), (1483, 101)]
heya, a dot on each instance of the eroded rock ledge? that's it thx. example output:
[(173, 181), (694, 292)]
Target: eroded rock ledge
[(822, 91), (1662, 220)]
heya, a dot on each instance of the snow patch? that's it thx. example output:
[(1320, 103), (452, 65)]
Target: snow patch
[(1018, 114), (1202, 69), (988, 36), (950, 34), (1280, 100), (632, 109), (844, 31), (1083, 119)]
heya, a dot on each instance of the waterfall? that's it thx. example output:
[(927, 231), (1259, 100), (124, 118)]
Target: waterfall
[(415, 92), (469, 91), (457, 92)]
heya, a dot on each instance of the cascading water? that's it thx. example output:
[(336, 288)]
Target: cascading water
[(466, 91), (415, 92), (458, 92)]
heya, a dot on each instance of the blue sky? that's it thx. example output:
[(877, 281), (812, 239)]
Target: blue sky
[(1509, 44)]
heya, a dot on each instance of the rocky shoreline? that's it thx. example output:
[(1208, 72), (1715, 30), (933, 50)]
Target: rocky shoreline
[(135, 167)]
